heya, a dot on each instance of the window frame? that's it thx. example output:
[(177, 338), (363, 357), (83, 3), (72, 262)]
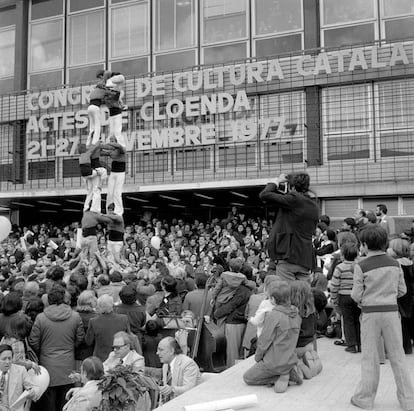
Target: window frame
[(356, 132), (238, 40), (275, 34), (5, 29), (326, 27), (381, 131), (29, 55), (68, 47), (116, 6), (172, 50)]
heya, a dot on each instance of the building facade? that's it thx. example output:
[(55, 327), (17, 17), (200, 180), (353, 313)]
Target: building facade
[(220, 93)]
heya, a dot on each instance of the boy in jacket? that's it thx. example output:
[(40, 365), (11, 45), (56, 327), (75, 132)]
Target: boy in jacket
[(378, 282)]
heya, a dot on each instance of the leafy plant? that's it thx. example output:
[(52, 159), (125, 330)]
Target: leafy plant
[(122, 388)]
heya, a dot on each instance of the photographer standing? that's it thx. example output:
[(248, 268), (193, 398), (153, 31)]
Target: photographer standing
[(290, 240)]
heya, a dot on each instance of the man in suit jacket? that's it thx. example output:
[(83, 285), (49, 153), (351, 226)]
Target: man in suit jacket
[(14, 380), (179, 373), (101, 329)]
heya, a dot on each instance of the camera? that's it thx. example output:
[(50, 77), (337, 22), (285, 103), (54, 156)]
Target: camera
[(283, 187)]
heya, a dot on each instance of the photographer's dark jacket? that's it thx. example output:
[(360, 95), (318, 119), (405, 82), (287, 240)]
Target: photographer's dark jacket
[(290, 238)]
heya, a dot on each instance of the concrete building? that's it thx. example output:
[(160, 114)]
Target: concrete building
[(222, 95)]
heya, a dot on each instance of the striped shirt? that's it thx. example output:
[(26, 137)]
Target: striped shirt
[(342, 280)]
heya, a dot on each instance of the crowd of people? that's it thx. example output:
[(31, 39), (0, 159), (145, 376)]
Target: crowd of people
[(273, 287)]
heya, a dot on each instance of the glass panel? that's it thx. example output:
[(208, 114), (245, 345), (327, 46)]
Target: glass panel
[(6, 143), (396, 104), (7, 17), (193, 159), (46, 8), (86, 38), (237, 156), (129, 30), (278, 45), (152, 162), (41, 170), (391, 203), (46, 80), (224, 20), (76, 5), (290, 106), (399, 29), (286, 152), (227, 53), (84, 74), (7, 43), (70, 168), (6, 85), (397, 143), (348, 147), (347, 109), (175, 24), (276, 16), (131, 67), (46, 45), (398, 7), (340, 11), (175, 61), (344, 207), (346, 36), (6, 172), (408, 203)]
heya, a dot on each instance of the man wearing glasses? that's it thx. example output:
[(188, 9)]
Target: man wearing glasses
[(124, 353)]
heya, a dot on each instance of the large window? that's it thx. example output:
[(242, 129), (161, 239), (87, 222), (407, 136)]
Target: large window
[(348, 22), (175, 26), (398, 19), (347, 122), (46, 8), (46, 45), (282, 130), (87, 38), (395, 122), (353, 22), (129, 31), (281, 23), (224, 20), (7, 42)]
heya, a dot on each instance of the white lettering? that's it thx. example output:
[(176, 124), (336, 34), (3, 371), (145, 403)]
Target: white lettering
[(322, 64), (358, 60), (274, 70), (398, 54), (300, 65)]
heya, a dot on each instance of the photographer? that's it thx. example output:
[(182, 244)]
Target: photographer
[(290, 240)]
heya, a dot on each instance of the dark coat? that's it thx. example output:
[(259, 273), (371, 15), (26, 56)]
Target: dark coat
[(290, 238), (101, 331), (136, 316), (55, 334), (84, 350), (234, 310)]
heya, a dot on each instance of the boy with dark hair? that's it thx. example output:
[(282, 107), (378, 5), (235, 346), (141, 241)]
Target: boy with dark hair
[(378, 282), (276, 360)]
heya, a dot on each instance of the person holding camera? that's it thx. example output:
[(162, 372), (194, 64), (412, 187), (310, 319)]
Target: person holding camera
[(290, 239)]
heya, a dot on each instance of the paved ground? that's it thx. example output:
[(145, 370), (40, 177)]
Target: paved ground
[(331, 390)]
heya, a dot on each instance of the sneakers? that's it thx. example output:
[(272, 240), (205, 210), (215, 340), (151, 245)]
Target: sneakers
[(281, 384), (296, 375), (311, 359), (352, 349), (355, 404), (307, 372)]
